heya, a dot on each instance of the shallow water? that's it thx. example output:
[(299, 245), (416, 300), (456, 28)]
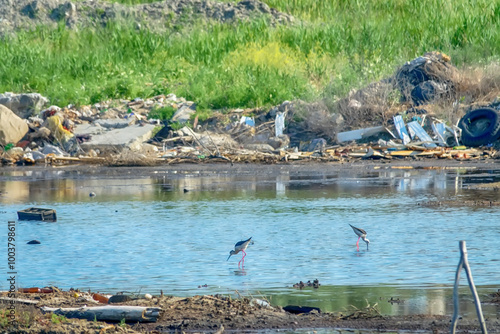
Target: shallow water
[(146, 234)]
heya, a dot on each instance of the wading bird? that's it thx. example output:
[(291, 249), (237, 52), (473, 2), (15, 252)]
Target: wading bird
[(361, 234), (240, 246)]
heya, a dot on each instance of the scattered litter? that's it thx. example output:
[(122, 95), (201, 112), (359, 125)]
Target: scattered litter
[(279, 124), (360, 133), (401, 129), (259, 302), (247, 120), (36, 290), (416, 131), (100, 298), (95, 133)]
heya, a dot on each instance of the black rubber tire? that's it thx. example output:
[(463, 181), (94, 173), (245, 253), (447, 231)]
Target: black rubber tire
[(480, 127)]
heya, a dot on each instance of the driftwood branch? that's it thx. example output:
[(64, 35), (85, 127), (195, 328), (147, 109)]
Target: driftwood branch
[(464, 262), (109, 313)]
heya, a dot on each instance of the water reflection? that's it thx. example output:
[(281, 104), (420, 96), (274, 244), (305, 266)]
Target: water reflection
[(390, 300), (240, 272), (61, 185)]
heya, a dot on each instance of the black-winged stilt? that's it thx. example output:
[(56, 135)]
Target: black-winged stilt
[(240, 246), (361, 234)]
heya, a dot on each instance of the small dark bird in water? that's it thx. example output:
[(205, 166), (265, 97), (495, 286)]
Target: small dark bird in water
[(34, 242), (299, 285)]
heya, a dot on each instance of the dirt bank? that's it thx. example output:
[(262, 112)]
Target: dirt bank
[(221, 313), (157, 16)]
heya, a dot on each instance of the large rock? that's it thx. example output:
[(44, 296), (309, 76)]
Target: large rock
[(12, 127), (23, 105)]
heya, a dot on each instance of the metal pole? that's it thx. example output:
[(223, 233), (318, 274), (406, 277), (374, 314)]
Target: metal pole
[(455, 296), (465, 263), (472, 287)]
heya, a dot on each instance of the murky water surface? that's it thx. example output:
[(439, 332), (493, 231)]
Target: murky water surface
[(173, 232)]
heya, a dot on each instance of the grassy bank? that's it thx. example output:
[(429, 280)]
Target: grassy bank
[(336, 46)]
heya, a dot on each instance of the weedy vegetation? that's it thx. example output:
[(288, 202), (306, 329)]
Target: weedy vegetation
[(331, 48)]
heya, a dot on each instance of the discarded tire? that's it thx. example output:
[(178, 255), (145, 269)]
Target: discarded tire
[(480, 127)]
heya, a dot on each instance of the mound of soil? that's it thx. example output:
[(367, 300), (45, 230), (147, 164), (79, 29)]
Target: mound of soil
[(157, 16)]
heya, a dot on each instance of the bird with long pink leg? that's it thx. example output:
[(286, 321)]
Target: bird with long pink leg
[(240, 246), (361, 235)]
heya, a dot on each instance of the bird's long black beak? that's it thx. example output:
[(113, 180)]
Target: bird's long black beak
[(229, 257)]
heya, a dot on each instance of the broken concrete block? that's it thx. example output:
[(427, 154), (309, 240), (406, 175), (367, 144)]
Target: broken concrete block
[(359, 134), (12, 127)]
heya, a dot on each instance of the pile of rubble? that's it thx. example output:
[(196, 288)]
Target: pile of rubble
[(126, 132), (123, 134), (155, 16)]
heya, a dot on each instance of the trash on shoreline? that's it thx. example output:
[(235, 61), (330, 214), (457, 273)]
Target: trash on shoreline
[(100, 298), (145, 132), (36, 290), (360, 133)]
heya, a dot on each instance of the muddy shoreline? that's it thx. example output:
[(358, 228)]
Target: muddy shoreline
[(218, 313)]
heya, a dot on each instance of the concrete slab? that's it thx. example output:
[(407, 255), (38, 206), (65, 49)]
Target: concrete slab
[(114, 139)]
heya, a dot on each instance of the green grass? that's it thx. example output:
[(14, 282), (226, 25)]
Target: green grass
[(163, 113), (337, 45)]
